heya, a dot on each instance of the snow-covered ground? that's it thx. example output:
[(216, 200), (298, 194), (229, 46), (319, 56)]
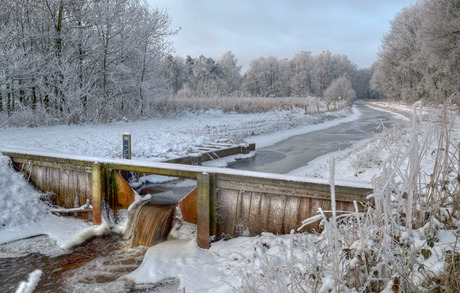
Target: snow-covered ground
[(270, 263), (26, 214), (363, 161), (235, 264), (163, 137), (25, 211)]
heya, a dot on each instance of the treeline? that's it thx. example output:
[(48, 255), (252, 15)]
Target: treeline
[(73, 61), (301, 76), (77, 61), (420, 56)]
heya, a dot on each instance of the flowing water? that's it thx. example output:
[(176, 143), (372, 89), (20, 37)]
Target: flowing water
[(153, 224), (95, 265), (97, 261)]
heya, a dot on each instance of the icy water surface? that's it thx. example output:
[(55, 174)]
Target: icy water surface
[(297, 151)]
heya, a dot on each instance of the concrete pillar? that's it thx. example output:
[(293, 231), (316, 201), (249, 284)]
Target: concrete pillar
[(96, 185), (203, 210), (212, 206)]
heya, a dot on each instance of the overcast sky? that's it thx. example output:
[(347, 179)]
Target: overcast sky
[(262, 28)]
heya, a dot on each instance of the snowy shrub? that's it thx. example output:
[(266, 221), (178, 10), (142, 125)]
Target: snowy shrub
[(24, 116), (308, 105), (285, 264), (340, 89)]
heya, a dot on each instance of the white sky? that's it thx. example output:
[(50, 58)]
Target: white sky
[(262, 28)]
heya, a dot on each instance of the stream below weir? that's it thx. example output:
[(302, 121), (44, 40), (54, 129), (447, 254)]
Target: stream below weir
[(85, 269), (97, 264)]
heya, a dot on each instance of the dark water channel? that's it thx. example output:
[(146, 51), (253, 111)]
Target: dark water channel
[(97, 264), (98, 261), (297, 151)]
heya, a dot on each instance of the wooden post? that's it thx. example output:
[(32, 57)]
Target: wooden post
[(203, 210), (126, 152), (96, 192), (245, 149), (196, 159), (127, 146)]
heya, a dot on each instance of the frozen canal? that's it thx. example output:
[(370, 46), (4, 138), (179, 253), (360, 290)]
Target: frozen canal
[(297, 151)]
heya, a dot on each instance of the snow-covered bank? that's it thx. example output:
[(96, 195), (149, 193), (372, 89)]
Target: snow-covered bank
[(222, 268), (162, 137), (364, 160), (371, 251), (25, 212)]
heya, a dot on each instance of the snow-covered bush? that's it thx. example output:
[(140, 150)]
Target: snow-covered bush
[(309, 105), (340, 89)]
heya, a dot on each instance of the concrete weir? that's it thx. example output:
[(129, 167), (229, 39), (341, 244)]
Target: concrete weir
[(226, 202)]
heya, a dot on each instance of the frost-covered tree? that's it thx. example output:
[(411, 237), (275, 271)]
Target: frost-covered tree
[(300, 78), (321, 72), (441, 46), (283, 87), (80, 60), (230, 74), (175, 72), (204, 76), (255, 82), (419, 57), (327, 67), (340, 89)]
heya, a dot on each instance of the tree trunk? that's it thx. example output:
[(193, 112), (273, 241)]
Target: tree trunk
[(58, 41), (10, 99), (34, 99), (58, 44)]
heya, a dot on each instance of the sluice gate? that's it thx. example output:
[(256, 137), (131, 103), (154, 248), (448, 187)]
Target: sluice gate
[(226, 202)]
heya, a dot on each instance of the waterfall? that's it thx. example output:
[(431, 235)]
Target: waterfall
[(152, 225)]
